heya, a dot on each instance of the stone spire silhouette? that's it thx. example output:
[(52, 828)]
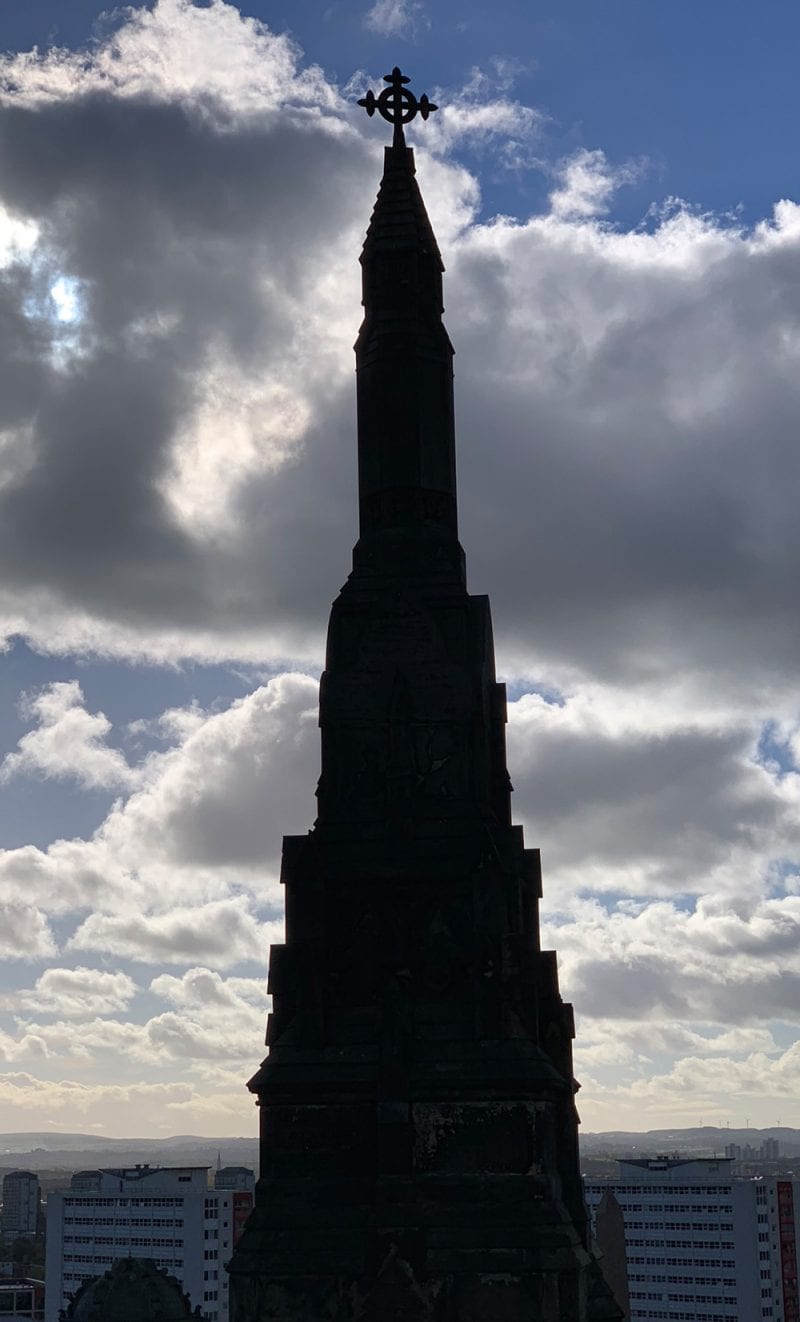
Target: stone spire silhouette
[(418, 1127)]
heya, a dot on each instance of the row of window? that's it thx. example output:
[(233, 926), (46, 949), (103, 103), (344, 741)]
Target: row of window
[(677, 1225), (715, 1209), (72, 1201), (105, 1259), (689, 1317), (680, 1243), (137, 1241), (655, 1277), (684, 1262), (669, 1190), (127, 1220), (702, 1299)]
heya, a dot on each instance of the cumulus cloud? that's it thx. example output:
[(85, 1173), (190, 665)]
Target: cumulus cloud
[(215, 1020), (698, 1086), (68, 742), (650, 795), (223, 932), (587, 185), (711, 962), (75, 992), (206, 821), (198, 988), (24, 932), (176, 51), (70, 875), (135, 1107), (157, 1043), (483, 114), (625, 421), (224, 796)]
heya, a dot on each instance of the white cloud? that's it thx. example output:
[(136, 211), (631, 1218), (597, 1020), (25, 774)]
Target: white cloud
[(75, 992), (70, 875), (713, 962), (206, 821), (644, 792), (483, 114), (199, 987), (24, 932), (136, 1107), (176, 50), (697, 1088), (215, 1020), (68, 743), (396, 18), (222, 933), (588, 184)]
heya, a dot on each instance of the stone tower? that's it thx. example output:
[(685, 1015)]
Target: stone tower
[(418, 1127)]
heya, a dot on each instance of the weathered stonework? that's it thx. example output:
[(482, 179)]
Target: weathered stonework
[(419, 1134)]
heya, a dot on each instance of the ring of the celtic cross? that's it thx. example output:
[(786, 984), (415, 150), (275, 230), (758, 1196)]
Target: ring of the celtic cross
[(397, 104)]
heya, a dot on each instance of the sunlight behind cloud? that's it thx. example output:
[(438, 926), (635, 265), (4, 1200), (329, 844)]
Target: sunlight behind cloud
[(65, 294), (18, 237), (240, 428)]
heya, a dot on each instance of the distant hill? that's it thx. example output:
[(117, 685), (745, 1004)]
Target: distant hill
[(53, 1151), (705, 1140), (68, 1152)]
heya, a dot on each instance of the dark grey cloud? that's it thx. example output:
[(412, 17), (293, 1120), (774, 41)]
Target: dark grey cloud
[(190, 241), (647, 807), (626, 402), (633, 509)]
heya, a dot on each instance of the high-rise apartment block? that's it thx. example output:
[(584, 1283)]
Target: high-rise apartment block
[(169, 1215), (21, 1196), (769, 1150), (704, 1245)]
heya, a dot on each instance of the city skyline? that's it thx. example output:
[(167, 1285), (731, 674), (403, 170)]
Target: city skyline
[(184, 201)]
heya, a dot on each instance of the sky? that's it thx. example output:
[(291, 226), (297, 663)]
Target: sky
[(184, 189)]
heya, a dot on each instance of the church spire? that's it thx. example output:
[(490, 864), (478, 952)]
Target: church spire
[(419, 1151), (404, 358)]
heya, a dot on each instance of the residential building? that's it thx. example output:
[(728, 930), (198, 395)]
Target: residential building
[(21, 1297), (240, 1181), (21, 1200), (134, 1288), (704, 1245), (167, 1214), (234, 1177)]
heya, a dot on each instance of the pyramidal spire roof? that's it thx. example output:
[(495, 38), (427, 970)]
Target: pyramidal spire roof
[(399, 220)]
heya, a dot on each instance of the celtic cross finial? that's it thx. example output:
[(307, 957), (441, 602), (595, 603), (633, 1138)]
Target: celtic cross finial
[(397, 104)]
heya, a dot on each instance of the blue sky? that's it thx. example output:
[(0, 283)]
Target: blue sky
[(183, 196)]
